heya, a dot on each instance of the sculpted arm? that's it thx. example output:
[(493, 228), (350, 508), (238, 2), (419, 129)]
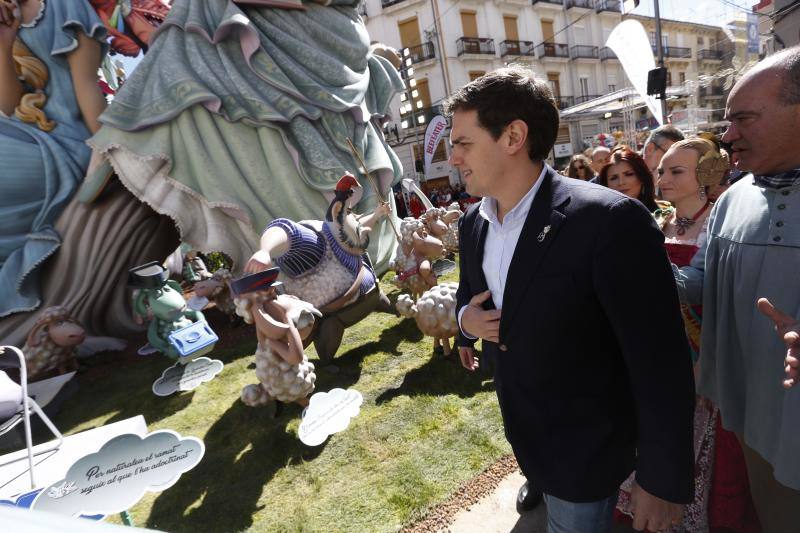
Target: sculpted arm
[(83, 63), (274, 243), (10, 87), (369, 220)]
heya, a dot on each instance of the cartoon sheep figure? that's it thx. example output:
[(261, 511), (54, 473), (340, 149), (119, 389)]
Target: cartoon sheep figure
[(435, 314), (217, 290), (53, 342), (413, 261), (443, 224), (283, 370)]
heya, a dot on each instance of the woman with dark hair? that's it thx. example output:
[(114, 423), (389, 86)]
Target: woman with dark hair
[(627, 173), (580, 168)]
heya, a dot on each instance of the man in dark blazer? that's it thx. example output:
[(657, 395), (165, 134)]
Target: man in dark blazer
[(568, 285)]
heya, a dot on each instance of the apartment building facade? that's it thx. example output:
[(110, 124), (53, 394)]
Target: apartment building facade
[(563, 41), (695, 55), (453, 42)]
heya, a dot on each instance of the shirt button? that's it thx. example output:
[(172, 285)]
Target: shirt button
[(779, 223), (777, 238), (503, 348), (781, 206)]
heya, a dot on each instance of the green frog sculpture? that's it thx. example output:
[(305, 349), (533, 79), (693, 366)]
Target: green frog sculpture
[(161, 301)]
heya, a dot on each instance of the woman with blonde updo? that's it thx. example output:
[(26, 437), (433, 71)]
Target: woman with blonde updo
[(50, 51)]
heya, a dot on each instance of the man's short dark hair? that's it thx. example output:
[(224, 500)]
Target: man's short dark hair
[(508, 94), (666, 132)]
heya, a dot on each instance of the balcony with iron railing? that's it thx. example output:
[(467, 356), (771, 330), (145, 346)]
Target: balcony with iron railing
[(607, 53), (677, 52), (584, 52), (421, 52), (563, 102), (614, 6), (585, 98), (552, 50), (516, 48), (581, 4), (710, 54), (475, 45), (554, 2)]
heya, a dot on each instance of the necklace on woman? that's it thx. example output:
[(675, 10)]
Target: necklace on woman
[(684, 223)]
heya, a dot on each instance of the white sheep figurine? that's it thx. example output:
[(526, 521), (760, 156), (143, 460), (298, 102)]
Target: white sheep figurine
[(443, 224), (283, 370), (414, 258), (53, 342), (217, 290), (435, 314)]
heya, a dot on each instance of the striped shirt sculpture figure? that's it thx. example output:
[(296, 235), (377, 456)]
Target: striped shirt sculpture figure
[(325, 263)]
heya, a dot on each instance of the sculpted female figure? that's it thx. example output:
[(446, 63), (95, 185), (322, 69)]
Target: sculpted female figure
[(238, 114), (50, 51)]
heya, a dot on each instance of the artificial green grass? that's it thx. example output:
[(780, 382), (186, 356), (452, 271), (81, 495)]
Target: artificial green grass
[(426, 426)]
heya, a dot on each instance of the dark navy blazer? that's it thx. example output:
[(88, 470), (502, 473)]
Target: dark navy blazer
[(593, 370)]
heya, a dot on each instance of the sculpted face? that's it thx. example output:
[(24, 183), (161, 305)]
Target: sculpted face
[(426, 245)]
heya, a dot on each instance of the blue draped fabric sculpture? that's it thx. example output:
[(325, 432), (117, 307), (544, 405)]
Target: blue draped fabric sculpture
[(239, 115), (41, 170)]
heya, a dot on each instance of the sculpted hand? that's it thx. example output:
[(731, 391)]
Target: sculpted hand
[(382, 210), (480, 323), (788, 329), (9, 25), (651, 512), (468, 358), (258, 261)]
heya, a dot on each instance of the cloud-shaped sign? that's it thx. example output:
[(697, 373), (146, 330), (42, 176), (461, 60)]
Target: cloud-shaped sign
[(180, 377), (328, 413), (116, 477)]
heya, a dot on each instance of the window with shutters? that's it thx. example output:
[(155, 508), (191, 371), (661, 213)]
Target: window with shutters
[(510, 24), (555, 85), (469, 24), (409, 33), (547, 31)]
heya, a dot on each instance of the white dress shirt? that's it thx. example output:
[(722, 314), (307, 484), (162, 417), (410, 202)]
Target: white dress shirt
[(501, 241)]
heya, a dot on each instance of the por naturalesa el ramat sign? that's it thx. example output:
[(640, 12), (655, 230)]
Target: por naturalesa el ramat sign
[(116, 477)]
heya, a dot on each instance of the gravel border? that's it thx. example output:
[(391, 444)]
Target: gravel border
[(441, 516)]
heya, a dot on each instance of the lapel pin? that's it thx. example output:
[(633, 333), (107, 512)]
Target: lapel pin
[(543, 234)]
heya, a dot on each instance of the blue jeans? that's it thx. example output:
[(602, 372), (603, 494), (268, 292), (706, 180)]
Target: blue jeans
[(569, 517)]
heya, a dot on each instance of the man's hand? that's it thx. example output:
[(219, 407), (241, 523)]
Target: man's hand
[(651, 512), (258, 261), (788, 329), (480, 323), (468, 358)]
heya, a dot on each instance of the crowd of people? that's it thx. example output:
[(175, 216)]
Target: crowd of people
[(411, 204), (633, 332)]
